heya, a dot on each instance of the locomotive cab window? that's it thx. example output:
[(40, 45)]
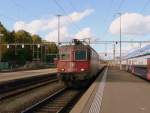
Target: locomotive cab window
[(64, 56), (80, 55)]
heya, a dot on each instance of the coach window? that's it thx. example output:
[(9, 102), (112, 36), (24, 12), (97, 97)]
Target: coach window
[(80, 55)]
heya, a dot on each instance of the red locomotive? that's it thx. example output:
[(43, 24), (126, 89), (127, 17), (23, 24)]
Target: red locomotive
[(77, 62)]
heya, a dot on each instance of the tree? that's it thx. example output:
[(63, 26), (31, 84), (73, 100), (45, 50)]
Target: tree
[(23, 37), (12, 35), (36, 39), (53, 48), (18, 55), (8, 55), (5, 38), (6, 35)]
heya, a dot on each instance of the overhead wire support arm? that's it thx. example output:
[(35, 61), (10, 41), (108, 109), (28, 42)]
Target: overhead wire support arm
[(111, 42)]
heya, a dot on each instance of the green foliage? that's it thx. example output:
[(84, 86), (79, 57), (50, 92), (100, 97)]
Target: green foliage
[(36, 39), (6, 35), (19, 55), (8, 55), (23, 56), (53, 48), (23, 37)]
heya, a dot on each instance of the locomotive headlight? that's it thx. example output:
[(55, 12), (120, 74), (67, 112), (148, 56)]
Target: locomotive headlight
[(82, 69)]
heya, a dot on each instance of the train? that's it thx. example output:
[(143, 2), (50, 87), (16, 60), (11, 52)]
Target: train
[(138, 62), (78, 62)]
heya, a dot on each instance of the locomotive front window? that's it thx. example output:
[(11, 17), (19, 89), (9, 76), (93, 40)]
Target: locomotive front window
[(80, 55), (64, 56)]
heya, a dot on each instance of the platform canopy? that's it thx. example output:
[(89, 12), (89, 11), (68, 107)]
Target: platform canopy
[(138, 52)]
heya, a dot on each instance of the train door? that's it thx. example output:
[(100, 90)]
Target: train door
[(148, 68)]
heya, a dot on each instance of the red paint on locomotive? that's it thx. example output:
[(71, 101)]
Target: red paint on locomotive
[(79, 62)]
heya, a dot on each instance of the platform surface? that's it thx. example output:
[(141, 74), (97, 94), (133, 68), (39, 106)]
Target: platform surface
[(22, 74), (125, 93), (116, 92)]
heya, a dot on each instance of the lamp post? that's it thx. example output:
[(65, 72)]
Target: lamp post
[(120, 41), (58, 40), (1, 35), (114, 52)]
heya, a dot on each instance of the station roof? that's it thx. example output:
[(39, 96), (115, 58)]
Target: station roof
[(139, 52)]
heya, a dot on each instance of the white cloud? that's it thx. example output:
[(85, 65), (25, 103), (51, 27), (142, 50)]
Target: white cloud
[(75, 17), (65, 36), (33, 27), (69, 19), (53, 35), (84, 33), (50, 25), (132, 24)]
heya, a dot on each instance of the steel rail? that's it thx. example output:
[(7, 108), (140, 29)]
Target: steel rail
[(25, 89), (34, 106)]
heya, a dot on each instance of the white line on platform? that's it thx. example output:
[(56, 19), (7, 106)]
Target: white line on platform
[(96, 104)]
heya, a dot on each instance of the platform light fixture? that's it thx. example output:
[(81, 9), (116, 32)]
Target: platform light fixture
[(38, 45), (22, 45), (7, 46)]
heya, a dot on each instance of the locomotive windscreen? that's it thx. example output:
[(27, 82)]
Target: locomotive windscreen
[(64, 56), (80, 55)]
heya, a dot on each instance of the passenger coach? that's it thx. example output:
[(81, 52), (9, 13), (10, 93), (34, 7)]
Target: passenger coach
[(138, 62)]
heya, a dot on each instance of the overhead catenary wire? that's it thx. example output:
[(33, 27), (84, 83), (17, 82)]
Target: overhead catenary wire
[(109, 9), (8, 17), (22, 8), (120, 5), (105, 33), (64, 11), (145, 5), (71, 5), (19, 7), (16, 4)]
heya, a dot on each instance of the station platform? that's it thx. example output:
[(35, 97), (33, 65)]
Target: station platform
[(115, 91), (6, 76)]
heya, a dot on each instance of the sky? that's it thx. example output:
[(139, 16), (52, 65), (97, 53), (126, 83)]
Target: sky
[(97, 19)]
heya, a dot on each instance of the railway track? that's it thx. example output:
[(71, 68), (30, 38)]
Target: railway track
[(11, 88), (59, 102), (45, 97), (9, 94), (23, 100), (56, 103)]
